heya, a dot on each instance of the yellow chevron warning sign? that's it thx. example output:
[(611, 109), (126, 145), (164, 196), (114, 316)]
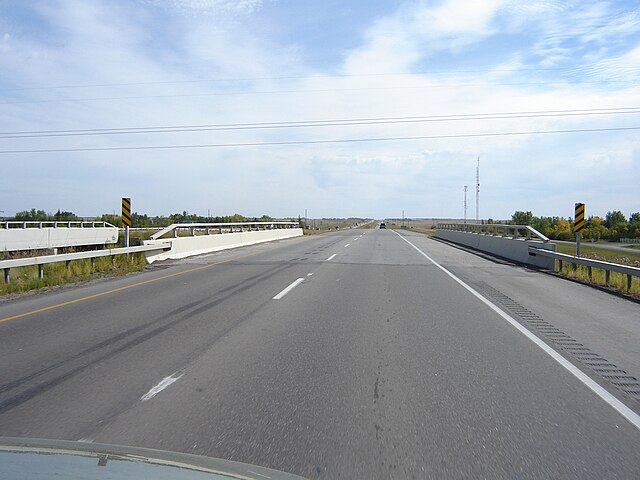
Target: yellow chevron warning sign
[(579, 221), (126, 211)]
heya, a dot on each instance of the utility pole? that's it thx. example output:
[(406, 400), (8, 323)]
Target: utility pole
[(478, 191), (305, 218), (465, 203), (402, 218)]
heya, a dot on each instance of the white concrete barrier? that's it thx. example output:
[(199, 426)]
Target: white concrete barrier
[(183, 247), (511, 248), (13, 239)]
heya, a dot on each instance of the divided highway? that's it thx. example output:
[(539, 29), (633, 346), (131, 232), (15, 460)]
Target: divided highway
[(354, 354)]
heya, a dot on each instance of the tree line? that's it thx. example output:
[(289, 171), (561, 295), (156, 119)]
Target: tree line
[(613, 227), (138, 220)]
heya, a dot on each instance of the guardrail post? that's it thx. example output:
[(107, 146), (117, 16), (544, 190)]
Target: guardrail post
[(175, 233), (93, 264), (590, 273), (560, 265), (40, 271), (68, 263), (6, 275), (607, 277), (629, 277)]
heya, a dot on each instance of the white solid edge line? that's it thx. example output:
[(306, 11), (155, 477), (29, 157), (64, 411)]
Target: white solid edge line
[(616, 404), (288, 289), (331, 257), (309, 274), (347, 245), (161, 386)]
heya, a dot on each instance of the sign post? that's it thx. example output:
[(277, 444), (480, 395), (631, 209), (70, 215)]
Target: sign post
[(126, 218), (578, 225)]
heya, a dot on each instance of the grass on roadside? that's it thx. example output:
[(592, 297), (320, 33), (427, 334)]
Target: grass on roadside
[(23, 279), (426, 231), (315, 232), (617, 281), (630, 258)]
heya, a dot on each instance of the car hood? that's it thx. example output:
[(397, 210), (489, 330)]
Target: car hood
[(36, 459)]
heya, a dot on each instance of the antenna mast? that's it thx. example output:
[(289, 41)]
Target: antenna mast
[(478, 191), (465, 204)]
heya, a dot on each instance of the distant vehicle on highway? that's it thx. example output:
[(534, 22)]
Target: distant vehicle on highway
[(382, 225)]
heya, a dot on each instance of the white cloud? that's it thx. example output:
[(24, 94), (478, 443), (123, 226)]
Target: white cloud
[(416, 31), (213, 7), (98, 44)]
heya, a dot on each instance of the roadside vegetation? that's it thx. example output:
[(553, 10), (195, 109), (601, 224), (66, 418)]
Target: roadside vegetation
[(24, 279), (631, 257), (140, 220), (426, 231), (617, 281), (614, 227)]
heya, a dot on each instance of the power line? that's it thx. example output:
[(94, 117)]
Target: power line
[(316, 142), (303, 77), (320, 90), (318, 123)]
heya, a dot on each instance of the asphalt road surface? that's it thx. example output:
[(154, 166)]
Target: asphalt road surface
[(359, 354)]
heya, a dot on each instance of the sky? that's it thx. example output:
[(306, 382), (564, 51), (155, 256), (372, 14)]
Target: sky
[(358, 108)]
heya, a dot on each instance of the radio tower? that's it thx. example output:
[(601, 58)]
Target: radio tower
[(465, 204), (478, 191)]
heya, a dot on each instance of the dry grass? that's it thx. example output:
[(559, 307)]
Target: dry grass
[(631, 258), (23, 279), (617, 281), (426, 231)]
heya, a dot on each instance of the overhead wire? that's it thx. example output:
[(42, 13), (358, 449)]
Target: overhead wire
[(317, 142), (318, 90), (318, 123), (314, 76)]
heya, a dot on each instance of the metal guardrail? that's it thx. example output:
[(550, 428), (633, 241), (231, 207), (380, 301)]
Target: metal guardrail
[(54, 224), (7, 265), (608, 267), (512, 231), (630, 240), (139, 229), (220, 228)]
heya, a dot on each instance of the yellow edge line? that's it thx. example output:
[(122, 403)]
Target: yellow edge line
[(108, 292)]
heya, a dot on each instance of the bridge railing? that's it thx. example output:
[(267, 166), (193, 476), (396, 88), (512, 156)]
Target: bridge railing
[(7, 265), (193, 229), (608, 267), (53, 224), (503, 230)]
